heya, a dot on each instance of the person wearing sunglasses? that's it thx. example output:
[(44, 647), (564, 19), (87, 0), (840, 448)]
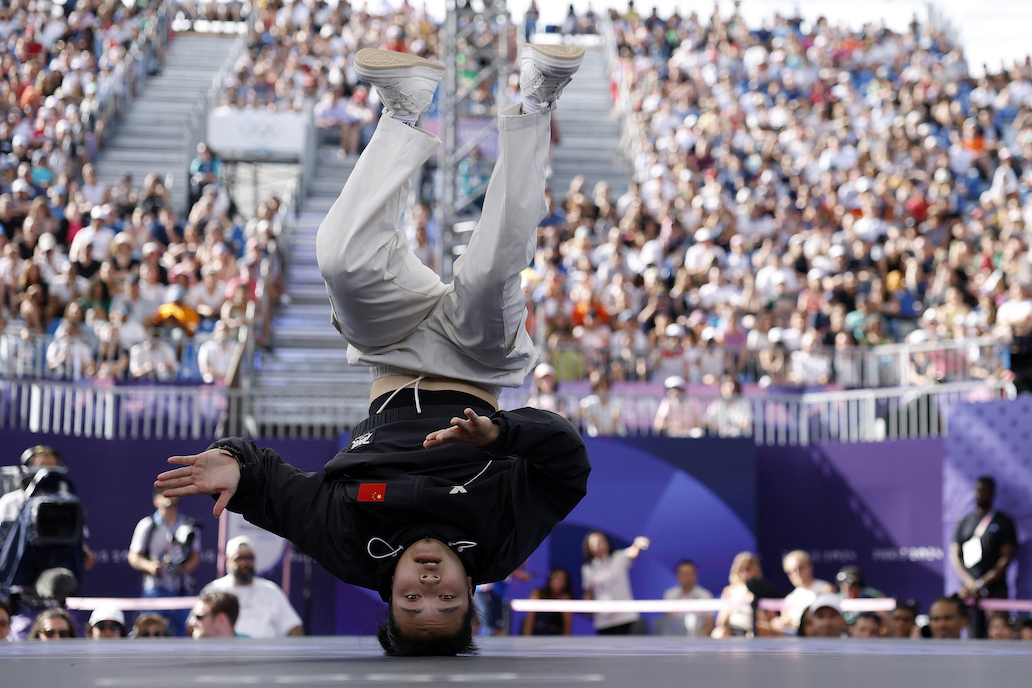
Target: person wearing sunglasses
[(53, 624), (106, 622), (265, 611), (215, 616)]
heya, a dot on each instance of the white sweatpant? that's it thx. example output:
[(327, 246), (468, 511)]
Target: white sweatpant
[(394, 311)]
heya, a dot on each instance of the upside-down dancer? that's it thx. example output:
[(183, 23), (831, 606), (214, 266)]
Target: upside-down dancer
[(437, 490)]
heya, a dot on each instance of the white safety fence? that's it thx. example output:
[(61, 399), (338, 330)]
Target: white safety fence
[(208, 411), (853, 605)]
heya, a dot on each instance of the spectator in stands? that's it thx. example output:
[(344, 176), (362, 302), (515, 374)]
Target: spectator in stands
[(828, 620), (604, 576), (600, 415), (737, 620), (69, 357), (215, 615), (809, 367), (693, 624), (551, 623), (947, 617), (205, 169), (265, 611), (153, 358), (140, 309), (1001, 627), (903, 620), (149, 626), (798, 566), (983, 546), (176, 313), (545, 395), (1025, 632), (207, 296), (53, 624), (215, 356), (852, 585), (866, 625), (677, 415), (106, 622), (730, 415)]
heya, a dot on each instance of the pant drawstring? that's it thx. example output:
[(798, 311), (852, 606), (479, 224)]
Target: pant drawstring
[(415, 393)]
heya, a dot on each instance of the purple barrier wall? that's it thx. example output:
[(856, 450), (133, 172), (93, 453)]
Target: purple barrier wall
[(113, 478), (872, 505), (991, 439), (694, 498)]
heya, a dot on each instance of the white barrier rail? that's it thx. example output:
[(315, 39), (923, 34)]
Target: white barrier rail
[(860, 605), (131, 604), (880, 604)]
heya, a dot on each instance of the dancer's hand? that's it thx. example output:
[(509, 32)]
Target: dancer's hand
[(473, 429), (210, 472)]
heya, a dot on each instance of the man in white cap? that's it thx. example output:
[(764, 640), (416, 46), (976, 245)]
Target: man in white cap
[(107, 622), (828, 621), (265, 611)]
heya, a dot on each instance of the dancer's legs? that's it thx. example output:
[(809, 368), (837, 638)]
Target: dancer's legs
[(378, 289), (486, 311)]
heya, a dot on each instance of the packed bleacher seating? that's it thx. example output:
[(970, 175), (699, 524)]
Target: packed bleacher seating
[(97, 280), (800, 198)]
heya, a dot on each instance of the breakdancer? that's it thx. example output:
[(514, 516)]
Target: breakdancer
[(437, 490)]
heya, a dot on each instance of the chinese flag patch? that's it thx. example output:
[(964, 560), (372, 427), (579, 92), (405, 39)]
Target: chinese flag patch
[(372, 492)]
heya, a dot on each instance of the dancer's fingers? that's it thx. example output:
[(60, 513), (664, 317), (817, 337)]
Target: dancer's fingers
[(186, 460), (222, 502), (175, 473)]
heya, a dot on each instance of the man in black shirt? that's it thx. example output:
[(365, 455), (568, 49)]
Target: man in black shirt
[(983, 547)]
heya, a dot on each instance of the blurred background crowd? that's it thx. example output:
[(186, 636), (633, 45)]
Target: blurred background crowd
[(801, 197)]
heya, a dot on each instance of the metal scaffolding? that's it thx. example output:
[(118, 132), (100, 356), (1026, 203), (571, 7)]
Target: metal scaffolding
[(479, 38)]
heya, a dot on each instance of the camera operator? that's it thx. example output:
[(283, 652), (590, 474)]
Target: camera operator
[(42, 551), (166, 548)]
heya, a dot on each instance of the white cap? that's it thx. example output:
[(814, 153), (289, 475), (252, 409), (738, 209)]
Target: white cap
[(238, 543), (674, 330), (826, 599), (107, 614), (544, 369), (674, 381)]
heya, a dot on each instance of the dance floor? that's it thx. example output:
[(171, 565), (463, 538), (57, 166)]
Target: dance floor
[(644, 662)]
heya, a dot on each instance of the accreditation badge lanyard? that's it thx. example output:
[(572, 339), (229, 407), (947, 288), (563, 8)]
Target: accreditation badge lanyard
[(972, 549)]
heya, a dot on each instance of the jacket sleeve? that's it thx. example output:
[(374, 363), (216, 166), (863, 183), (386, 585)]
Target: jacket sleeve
[(551, 476), (308, 509)]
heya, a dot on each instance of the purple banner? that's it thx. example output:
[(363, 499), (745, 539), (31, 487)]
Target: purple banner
[(991, 439), (872, 505)]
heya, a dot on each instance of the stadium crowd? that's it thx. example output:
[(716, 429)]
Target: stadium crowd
[(96, 280), (801, 196)]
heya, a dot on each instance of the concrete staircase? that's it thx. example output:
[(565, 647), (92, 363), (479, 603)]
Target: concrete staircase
[(307, 351), (152, 136), (589, 132)]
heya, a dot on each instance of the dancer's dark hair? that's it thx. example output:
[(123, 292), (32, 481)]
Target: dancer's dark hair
[(397, 644)]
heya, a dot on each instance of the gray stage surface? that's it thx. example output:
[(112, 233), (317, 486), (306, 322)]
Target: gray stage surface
[(644, 662)]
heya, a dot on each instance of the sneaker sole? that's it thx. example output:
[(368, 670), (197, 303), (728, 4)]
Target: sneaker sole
[(383, 62), (558, 56)]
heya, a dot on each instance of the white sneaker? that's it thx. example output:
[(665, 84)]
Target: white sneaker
[(406, 83), (545, 71)]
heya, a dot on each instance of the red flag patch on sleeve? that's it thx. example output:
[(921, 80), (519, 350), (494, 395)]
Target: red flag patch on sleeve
[(372, 492)]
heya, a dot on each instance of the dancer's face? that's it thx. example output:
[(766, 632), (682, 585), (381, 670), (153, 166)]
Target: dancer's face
[(431, 591)]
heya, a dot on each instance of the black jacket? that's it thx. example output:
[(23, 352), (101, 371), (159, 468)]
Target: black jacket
[(493, 506)]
